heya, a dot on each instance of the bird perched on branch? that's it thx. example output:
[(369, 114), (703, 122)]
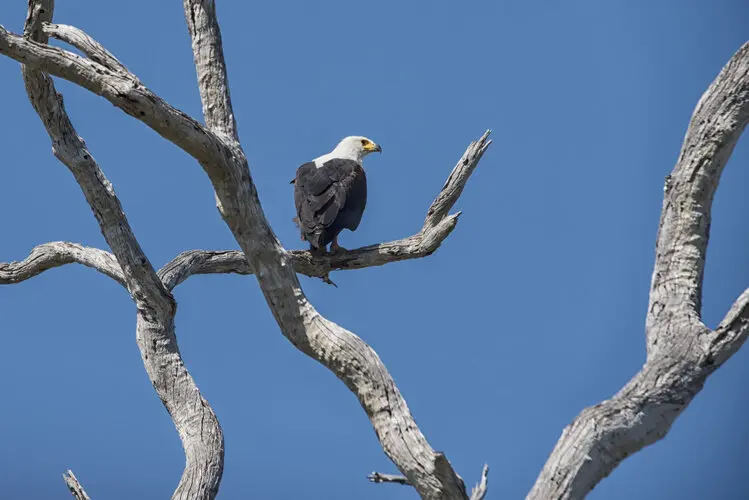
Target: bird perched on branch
[(330, 193)]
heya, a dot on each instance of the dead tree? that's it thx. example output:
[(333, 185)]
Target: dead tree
[(681, 351), (215, 145)]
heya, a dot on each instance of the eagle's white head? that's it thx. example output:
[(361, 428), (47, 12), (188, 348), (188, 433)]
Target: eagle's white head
[(354, 147)]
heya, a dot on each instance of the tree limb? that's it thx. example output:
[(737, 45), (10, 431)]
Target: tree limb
[(142, 282), (377, 477), (74, 486), (479, 491), (681, 351), (437, 227), (56, 254), (208, 53), (124, 91), (194, 419), (350, 358), (80, 40)]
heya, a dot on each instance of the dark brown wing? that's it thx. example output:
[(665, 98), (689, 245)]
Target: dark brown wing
[(330, 198)]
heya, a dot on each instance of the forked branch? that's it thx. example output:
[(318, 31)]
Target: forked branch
[(437, 227), (194, 419), (345, 354), (80, 40), (56, 254), (681, 351), (216, 149), (123, 90), (477, 493)]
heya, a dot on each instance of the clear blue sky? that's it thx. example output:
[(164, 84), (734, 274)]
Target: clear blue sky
[(533, 308)]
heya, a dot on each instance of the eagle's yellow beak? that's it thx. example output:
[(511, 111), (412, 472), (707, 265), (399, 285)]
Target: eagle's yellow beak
[(372, 147)]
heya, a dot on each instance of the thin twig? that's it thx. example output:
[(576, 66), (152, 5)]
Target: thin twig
[(479, 491), (377, 477), (74, 486)]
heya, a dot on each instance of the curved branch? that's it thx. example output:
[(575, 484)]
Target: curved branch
[(682, 351), (479, 491), (195, 421), (352, 360), (56, 254), (80, 40), (715, 127), (345, 354), (123, 90), (142, 281), (437, 227)]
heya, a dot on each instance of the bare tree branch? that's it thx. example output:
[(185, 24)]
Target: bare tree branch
[(195, 421), (74, 486), (437, 228), (681, 351), (80, 40), (377, 477), (479, 491), (730, 333), (208, 52), (456, 181), (350, 358), (124, 91), (715, 128), (56, 254), (69, 148)]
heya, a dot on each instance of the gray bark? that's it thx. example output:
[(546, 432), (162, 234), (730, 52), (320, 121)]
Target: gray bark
[(74, 486), (196, 423), (477, 493), (215, 146), (437, 227), (56, 254), (681, 351)]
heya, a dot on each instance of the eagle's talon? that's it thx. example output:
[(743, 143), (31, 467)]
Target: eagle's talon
[(335, 247), (326, 279), (317, 252)]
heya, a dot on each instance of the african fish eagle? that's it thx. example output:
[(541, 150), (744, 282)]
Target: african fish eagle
[(330, 193)]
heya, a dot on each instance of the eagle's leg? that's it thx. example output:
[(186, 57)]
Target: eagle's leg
[(335, 247), (318, 252)]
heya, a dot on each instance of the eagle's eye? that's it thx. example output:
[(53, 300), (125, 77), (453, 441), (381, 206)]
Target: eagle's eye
[(364, 142)]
